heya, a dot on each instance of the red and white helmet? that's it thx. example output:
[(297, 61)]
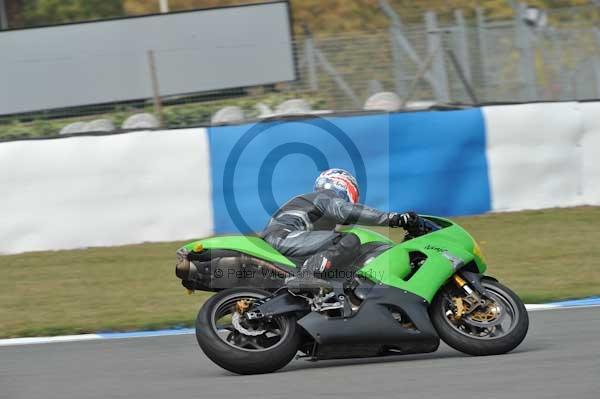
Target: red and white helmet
[(339, 181)]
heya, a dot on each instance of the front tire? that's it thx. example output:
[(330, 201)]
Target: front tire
[(482, 335), (250, 353)]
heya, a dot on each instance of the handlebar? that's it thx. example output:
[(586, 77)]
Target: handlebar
[(423, 226), (429, 225)]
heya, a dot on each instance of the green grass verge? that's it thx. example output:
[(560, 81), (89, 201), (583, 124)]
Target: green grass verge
[(543, 255)]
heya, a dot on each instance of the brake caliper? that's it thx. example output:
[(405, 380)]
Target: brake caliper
[(242, 305), (237, 318), (459, 306)]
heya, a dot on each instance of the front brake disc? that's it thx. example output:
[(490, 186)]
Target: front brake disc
[(490, 316)]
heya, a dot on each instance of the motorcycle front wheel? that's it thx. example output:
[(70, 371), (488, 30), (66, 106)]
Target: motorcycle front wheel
[(495, 328), (242, 346)]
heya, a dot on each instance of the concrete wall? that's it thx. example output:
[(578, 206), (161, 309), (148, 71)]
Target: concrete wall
[(182, 184), (105, 190)]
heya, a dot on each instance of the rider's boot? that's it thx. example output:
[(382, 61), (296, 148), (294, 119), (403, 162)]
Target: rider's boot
[(305, 280)]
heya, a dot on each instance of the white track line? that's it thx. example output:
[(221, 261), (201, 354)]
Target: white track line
[(48, 340), (165, 333)]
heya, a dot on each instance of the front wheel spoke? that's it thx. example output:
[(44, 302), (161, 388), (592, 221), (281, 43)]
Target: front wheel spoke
[(468, 328), (475, 330), (498, 330)]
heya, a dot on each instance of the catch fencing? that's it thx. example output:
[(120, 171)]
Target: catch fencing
[(462, 57)]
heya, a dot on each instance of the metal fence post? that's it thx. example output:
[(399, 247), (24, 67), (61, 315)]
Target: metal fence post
[(434, 41), (395, 32), (337, 78), (163, 6), (3, 16), (596, 62), (155, 88), (420, 74), (596, 69), (403, 43), (483, 53), (564, 83), (374, 86), (462, 44), (463, 79), (526, 58), (397, 65), (309, 54)]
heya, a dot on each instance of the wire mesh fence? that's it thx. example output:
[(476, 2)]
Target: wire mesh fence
[(461, 58)]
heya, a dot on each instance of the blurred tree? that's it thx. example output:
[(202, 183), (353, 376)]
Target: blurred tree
[(336, 16), (322, 16), (47, 12), (140, 7)]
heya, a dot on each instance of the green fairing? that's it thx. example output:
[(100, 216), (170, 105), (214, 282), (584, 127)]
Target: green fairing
[(390, 267), (250, 245), (436, 270), (366, 235)]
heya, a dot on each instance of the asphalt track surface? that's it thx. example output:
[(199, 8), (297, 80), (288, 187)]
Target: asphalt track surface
[(560, 358)]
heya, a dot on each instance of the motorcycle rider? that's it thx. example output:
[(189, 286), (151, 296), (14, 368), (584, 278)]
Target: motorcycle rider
[(304, 227)]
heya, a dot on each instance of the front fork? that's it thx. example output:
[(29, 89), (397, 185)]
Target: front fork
[(461, 283), (476, 295)]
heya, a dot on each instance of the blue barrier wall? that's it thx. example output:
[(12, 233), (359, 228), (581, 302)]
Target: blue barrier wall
[(432, 162), (438, 163)]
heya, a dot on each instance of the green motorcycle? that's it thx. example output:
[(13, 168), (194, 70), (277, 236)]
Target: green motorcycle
[(396, 298)]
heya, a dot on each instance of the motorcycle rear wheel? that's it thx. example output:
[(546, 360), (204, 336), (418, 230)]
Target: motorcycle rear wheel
[(491, 332), (249, 348)]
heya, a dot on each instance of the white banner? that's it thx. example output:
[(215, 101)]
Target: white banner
[(104, 190), (535, 156)]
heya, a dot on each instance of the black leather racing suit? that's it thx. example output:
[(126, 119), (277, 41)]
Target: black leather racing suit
[(305, 226)]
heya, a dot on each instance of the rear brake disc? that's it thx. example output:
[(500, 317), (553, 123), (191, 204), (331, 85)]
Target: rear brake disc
[(236, 322)]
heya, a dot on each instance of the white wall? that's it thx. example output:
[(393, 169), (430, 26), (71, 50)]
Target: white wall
[(591, 152), (105, 190), (535, 155)]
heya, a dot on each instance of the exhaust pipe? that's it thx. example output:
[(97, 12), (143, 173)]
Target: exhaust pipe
[(187, 270), (183, 266)]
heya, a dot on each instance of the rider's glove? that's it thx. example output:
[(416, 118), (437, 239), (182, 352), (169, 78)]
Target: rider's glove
[(405, 220)]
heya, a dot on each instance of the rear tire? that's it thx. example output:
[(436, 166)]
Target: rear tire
[(238, 359), (482, 346)]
